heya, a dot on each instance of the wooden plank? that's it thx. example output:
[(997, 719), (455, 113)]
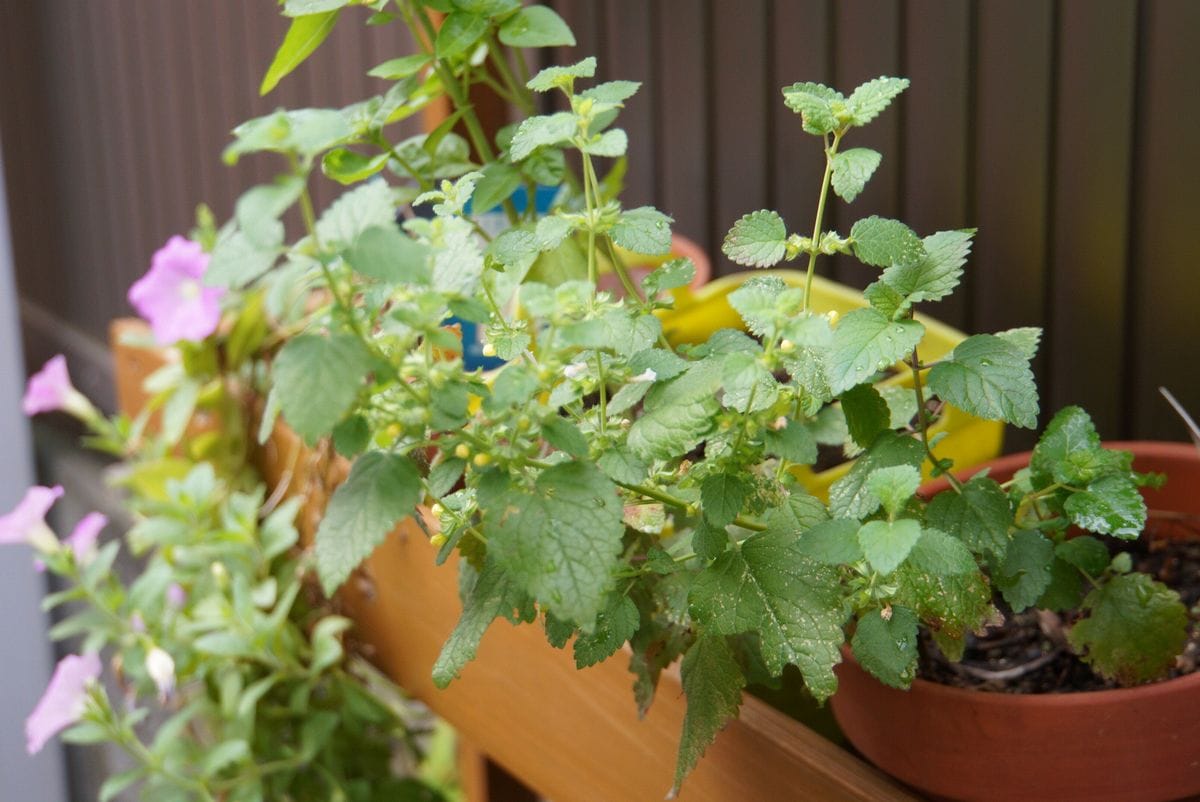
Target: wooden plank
[(866, 46), (1164, 282), (937, 134), (683, 135), (1092, 172), (741, 90), (1012, 164), (630, 54)]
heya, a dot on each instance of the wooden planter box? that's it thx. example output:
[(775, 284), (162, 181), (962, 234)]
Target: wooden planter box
[(568, 735)]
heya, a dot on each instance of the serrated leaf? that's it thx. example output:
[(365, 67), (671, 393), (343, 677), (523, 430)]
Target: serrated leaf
[(509, 342), (665, 364), (668, 432), (1134, 630), (747, 384), (305, 34), (537, 132), (723, 495), (833, 542), (354, 212), (1065, 590), (444, 476), (612, 91), (236, 260), (616, 624), (1025, 338), (385, 254), (887, 543), (979, 516), (989, 378), (552, 77), (1111, 505), (794, 443), (610, 145), (515, 248), (668, 276), (852, 169), (349, 167), (768, 586), (799, 513), (866, 342), (317, 379), (936, 274), (258, 210), (712, 682), (885, 644), (491, 597), (643, 230), (867, 101), (627, 397), (894, 486), (1070, 430), (565, 436), (499, 181), (866, 412), (940, 554), (536, 26), (813, 102), (398, 68), (882, 242), (382, 488), (1084, 552), (621, 465), (559, 543), (759, 239), (459, 30), (849, 497), (1025, 572)]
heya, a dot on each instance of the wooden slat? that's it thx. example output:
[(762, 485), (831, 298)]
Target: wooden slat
[(630, 54), (1164, 280)]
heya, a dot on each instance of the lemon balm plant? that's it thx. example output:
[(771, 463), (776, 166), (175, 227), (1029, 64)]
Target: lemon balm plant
[(602, 483)]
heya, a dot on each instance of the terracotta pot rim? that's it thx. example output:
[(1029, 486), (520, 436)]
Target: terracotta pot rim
[(1013, 462)]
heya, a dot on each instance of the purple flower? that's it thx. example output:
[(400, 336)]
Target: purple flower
[(172, 297), (63, 702), (176, 596), (83, 537), (27, 522)]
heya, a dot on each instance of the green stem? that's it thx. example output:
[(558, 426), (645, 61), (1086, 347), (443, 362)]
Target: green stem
[(814, 246), (603, 393), (589, 198), (923, 422), (519, 94), (675, 501)]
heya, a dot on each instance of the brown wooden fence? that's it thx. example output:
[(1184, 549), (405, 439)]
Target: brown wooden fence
[(1066, 131)]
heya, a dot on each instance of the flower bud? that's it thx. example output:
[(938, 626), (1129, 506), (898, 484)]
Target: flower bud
[(161, 669)]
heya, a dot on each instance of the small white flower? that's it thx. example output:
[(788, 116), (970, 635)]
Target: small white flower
[(646, 375), (161, 669), (574, 370), (779, 424)]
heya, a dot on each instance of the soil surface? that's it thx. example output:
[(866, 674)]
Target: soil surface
[(1028, 652)]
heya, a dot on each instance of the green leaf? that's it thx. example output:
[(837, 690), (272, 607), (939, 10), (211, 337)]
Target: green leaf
[(382, 488), (950, 605), (723, 496), (868, 100), (536, 26), (852, 169), (499, 182), (1025, 572), (768, 586), (850, 497), (979, 516), (617, 623), (814, 103), (621, 330), (613, 92), (942, 555), (491, 597), (748, 385), (354, 212), (1134, 630), (509, 343), (712, 682), (444, 476), (258, 209), (989, 378), (643, 230), (887, 543), (799, 513), (885, 644), (553, 77), (1111, 505), (561, 542), (866, 342), (351, 436), (1065, 590), (317, 379), (1084, 552), (937, 273), (668, 432), (236, 260), (759, 239), (298, 8), (611, 144), (866, 412), (398, 68), (882, 242), (459, 31), (1025, 338), (794, 443), (349, 167), (117, 783), (304, 35), (386, 254), (1086, 466), (833, 542), (537, 132), (621, 465), (894, 487), (1070, 430), (668, 276), (565, 436)]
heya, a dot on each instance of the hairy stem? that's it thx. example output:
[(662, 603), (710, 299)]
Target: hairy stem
[(814, 246)]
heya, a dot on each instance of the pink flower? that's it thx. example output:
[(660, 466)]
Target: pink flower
[(176, 596), (50, 389), (27, 522), (172, 297), (63, 702), (83, 537)]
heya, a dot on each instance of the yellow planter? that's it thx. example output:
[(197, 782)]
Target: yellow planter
[(699, 312)]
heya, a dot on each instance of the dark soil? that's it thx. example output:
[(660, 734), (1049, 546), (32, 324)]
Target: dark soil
[(1028, 653)]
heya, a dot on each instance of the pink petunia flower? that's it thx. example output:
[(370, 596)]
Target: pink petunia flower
[(83, 537), (63, 702), (176, 596), (27, 521), (172, 296)]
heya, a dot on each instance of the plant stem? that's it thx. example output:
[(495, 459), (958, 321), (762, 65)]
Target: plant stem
[(814, 245), (923, 422), (589, 198), (675, 501), (519, 94)]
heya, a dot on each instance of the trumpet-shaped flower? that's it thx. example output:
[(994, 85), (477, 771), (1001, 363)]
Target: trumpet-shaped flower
[(83, 537), (173, 297), (50, 389), (63, 702), (26, 523)]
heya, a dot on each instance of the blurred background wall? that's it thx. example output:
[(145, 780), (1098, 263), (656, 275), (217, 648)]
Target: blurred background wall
[(1065, 130)]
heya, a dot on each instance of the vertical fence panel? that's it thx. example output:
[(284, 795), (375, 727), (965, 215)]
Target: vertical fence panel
[(629, 54)]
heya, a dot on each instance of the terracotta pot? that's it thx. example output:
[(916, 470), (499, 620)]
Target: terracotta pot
[(1130, 744)]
